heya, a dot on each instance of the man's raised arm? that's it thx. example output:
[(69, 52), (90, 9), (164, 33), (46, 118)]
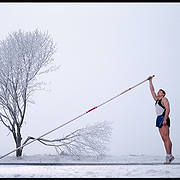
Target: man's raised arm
[(152, 88)]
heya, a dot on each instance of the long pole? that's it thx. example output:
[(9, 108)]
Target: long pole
[(75, 118)]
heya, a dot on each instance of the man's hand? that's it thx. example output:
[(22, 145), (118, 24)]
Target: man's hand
[(150, 77), (164, 123)]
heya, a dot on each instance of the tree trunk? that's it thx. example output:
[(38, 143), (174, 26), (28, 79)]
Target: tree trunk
[(18, 144)]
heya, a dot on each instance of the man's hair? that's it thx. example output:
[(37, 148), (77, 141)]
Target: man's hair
[(163, 91)]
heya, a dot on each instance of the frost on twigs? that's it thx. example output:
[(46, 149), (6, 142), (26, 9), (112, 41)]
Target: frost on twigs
[(90, 140), (23, 56)]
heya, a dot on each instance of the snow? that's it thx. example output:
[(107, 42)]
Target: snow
[(61, 166)]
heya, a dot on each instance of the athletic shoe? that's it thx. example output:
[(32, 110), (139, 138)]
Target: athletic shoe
[(169, 160)]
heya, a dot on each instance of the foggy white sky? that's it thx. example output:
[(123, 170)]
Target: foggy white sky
[(103, 49)]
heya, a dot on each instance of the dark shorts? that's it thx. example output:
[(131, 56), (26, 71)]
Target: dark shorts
[(159, 121)]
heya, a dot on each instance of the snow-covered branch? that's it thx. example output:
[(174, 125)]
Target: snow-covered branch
[(90, 140)]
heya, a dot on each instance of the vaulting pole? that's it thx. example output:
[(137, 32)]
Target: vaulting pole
[(75, 118)]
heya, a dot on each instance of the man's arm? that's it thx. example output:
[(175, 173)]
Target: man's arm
[(165, 103), (152, 88)]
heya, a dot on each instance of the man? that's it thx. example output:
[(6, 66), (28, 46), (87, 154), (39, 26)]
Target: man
[(163, 120)]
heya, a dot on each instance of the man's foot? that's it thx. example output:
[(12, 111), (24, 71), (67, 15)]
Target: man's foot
[(169, 159)]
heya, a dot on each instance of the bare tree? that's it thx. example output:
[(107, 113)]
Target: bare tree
[(90, 140), (23, 55)]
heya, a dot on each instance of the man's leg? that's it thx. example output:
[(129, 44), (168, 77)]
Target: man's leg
[(164, 132)]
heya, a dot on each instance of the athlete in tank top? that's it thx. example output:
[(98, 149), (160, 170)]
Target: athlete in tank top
[(162, 120)]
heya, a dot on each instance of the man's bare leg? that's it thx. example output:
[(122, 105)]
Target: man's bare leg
[(164, 132)]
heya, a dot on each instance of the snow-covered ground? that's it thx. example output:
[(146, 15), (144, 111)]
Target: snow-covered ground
[(127, 166)]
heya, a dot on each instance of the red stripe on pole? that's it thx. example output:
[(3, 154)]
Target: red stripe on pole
[(91, 109)]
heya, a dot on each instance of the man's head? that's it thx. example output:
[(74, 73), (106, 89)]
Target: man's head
[(161, 93)]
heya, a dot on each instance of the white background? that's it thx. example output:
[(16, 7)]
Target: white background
[(103, 49)]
